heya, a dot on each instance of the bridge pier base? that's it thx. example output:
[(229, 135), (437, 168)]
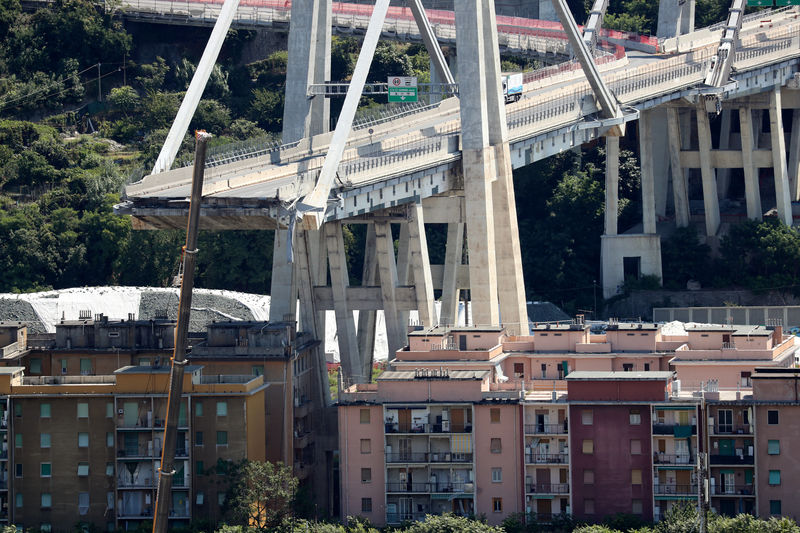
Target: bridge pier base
[(631, 254)]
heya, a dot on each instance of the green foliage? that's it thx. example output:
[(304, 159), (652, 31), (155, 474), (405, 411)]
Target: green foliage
[(449, 523), (211, 116), (266, 109), (640, 16), (125, 99), (687, 257), (261, 494)]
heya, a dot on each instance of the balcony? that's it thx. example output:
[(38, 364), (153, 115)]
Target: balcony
[(547, 488), (543, 458), (674, 459), (426, 457), (303, 440), (132, 485), (440, 487), (733, 490), (675, 430), (546, 429), (394, 427), (731, 459), (671, 489), (406, 487), (733, 429)]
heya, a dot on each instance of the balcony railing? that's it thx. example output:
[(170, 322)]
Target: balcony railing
[(546, 429), (673, 459), (669, 429), (674, 489), (734, 490), (561, 458), (438, 487), (731, 459), (394, 427), (403, 486), (733, 429), (547, 488), (428, 457)]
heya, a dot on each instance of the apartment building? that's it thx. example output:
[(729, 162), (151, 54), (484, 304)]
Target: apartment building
[(110, 378), (585, 423)]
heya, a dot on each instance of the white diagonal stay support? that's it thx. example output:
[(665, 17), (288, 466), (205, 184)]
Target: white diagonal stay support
[(593, 24), (720, 70)]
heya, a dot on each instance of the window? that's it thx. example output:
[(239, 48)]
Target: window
[(83, 469), (774, 447), (774, 477), (47, 500), (745, 379), (17, 409), (86, 367), (83, 410), (588, 476), (45, 469), (18, 440), (588, 506), (222, 438), (497, 475), (201, 497), (198, 438), (588, 446), (496, 446), (257, 370), (364, 414), (220, 499), (198, 408), (366, 505), (110, 505), (544, 371), (636, 447), (519, 370), (83, 503), (83, 440), (109, 410), (18, 499), (647, 367), (109, 469), (587, 417), (366, 445), (627, 367), (18, 470), (497, 505), (635, 417), (494, 415), (36, 366), (636, 506), (636, 476), (775, 507), (44, 410), (199, 467), (366, 475), (44, 440), (772, 417), (109, 439), (222, 408)]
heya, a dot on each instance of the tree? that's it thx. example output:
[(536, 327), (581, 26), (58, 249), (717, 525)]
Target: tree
[(262, 494), (448, 523), (124, 98)]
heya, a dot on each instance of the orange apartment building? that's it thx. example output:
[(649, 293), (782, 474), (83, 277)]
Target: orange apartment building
[(109, 378), (470, 420)]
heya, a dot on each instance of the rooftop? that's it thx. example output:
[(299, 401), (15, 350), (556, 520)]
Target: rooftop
[(432, 373), (590, 375), (188, 369), (443, 330)]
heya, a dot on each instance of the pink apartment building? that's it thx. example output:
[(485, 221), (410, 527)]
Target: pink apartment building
[(473, 421)]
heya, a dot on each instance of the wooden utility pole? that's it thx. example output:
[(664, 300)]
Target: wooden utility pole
[(167, 470)]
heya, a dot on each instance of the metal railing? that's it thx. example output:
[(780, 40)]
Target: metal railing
[(546, 429), (674, 489), (428, 457), (669, 429), (731, 459), (547, 488), (733, 490), (539, 458), (733, 429), (673, 459), (395, 427)]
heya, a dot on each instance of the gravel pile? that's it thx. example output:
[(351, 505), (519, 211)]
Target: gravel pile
[(205, 308), (12, 310)]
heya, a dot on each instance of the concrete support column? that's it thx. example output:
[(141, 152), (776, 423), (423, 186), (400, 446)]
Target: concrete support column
[(403, 265), (648, 178), (309, 62), (283, 291), (421, 265), (387, 268), (679, 189), (675, 18), (779, 167), (452, 262), (794, 157), (723, 174), (751, 190), (710, 200), (612, 184), (366, 318), (435, 78), (345, 324)]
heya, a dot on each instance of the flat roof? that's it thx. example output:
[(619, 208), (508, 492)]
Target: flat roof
[(442, 330), (752, 331), (625, 326), (709, 327), (11, 369), (591, 375), (559, 327), (432, 373), (153, 369)]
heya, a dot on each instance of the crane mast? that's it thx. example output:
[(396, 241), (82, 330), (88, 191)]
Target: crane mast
[(178, 361)]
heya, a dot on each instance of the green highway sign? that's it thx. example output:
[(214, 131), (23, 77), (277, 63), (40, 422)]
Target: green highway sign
[(402, 88), (787, 2), (760, 2)]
